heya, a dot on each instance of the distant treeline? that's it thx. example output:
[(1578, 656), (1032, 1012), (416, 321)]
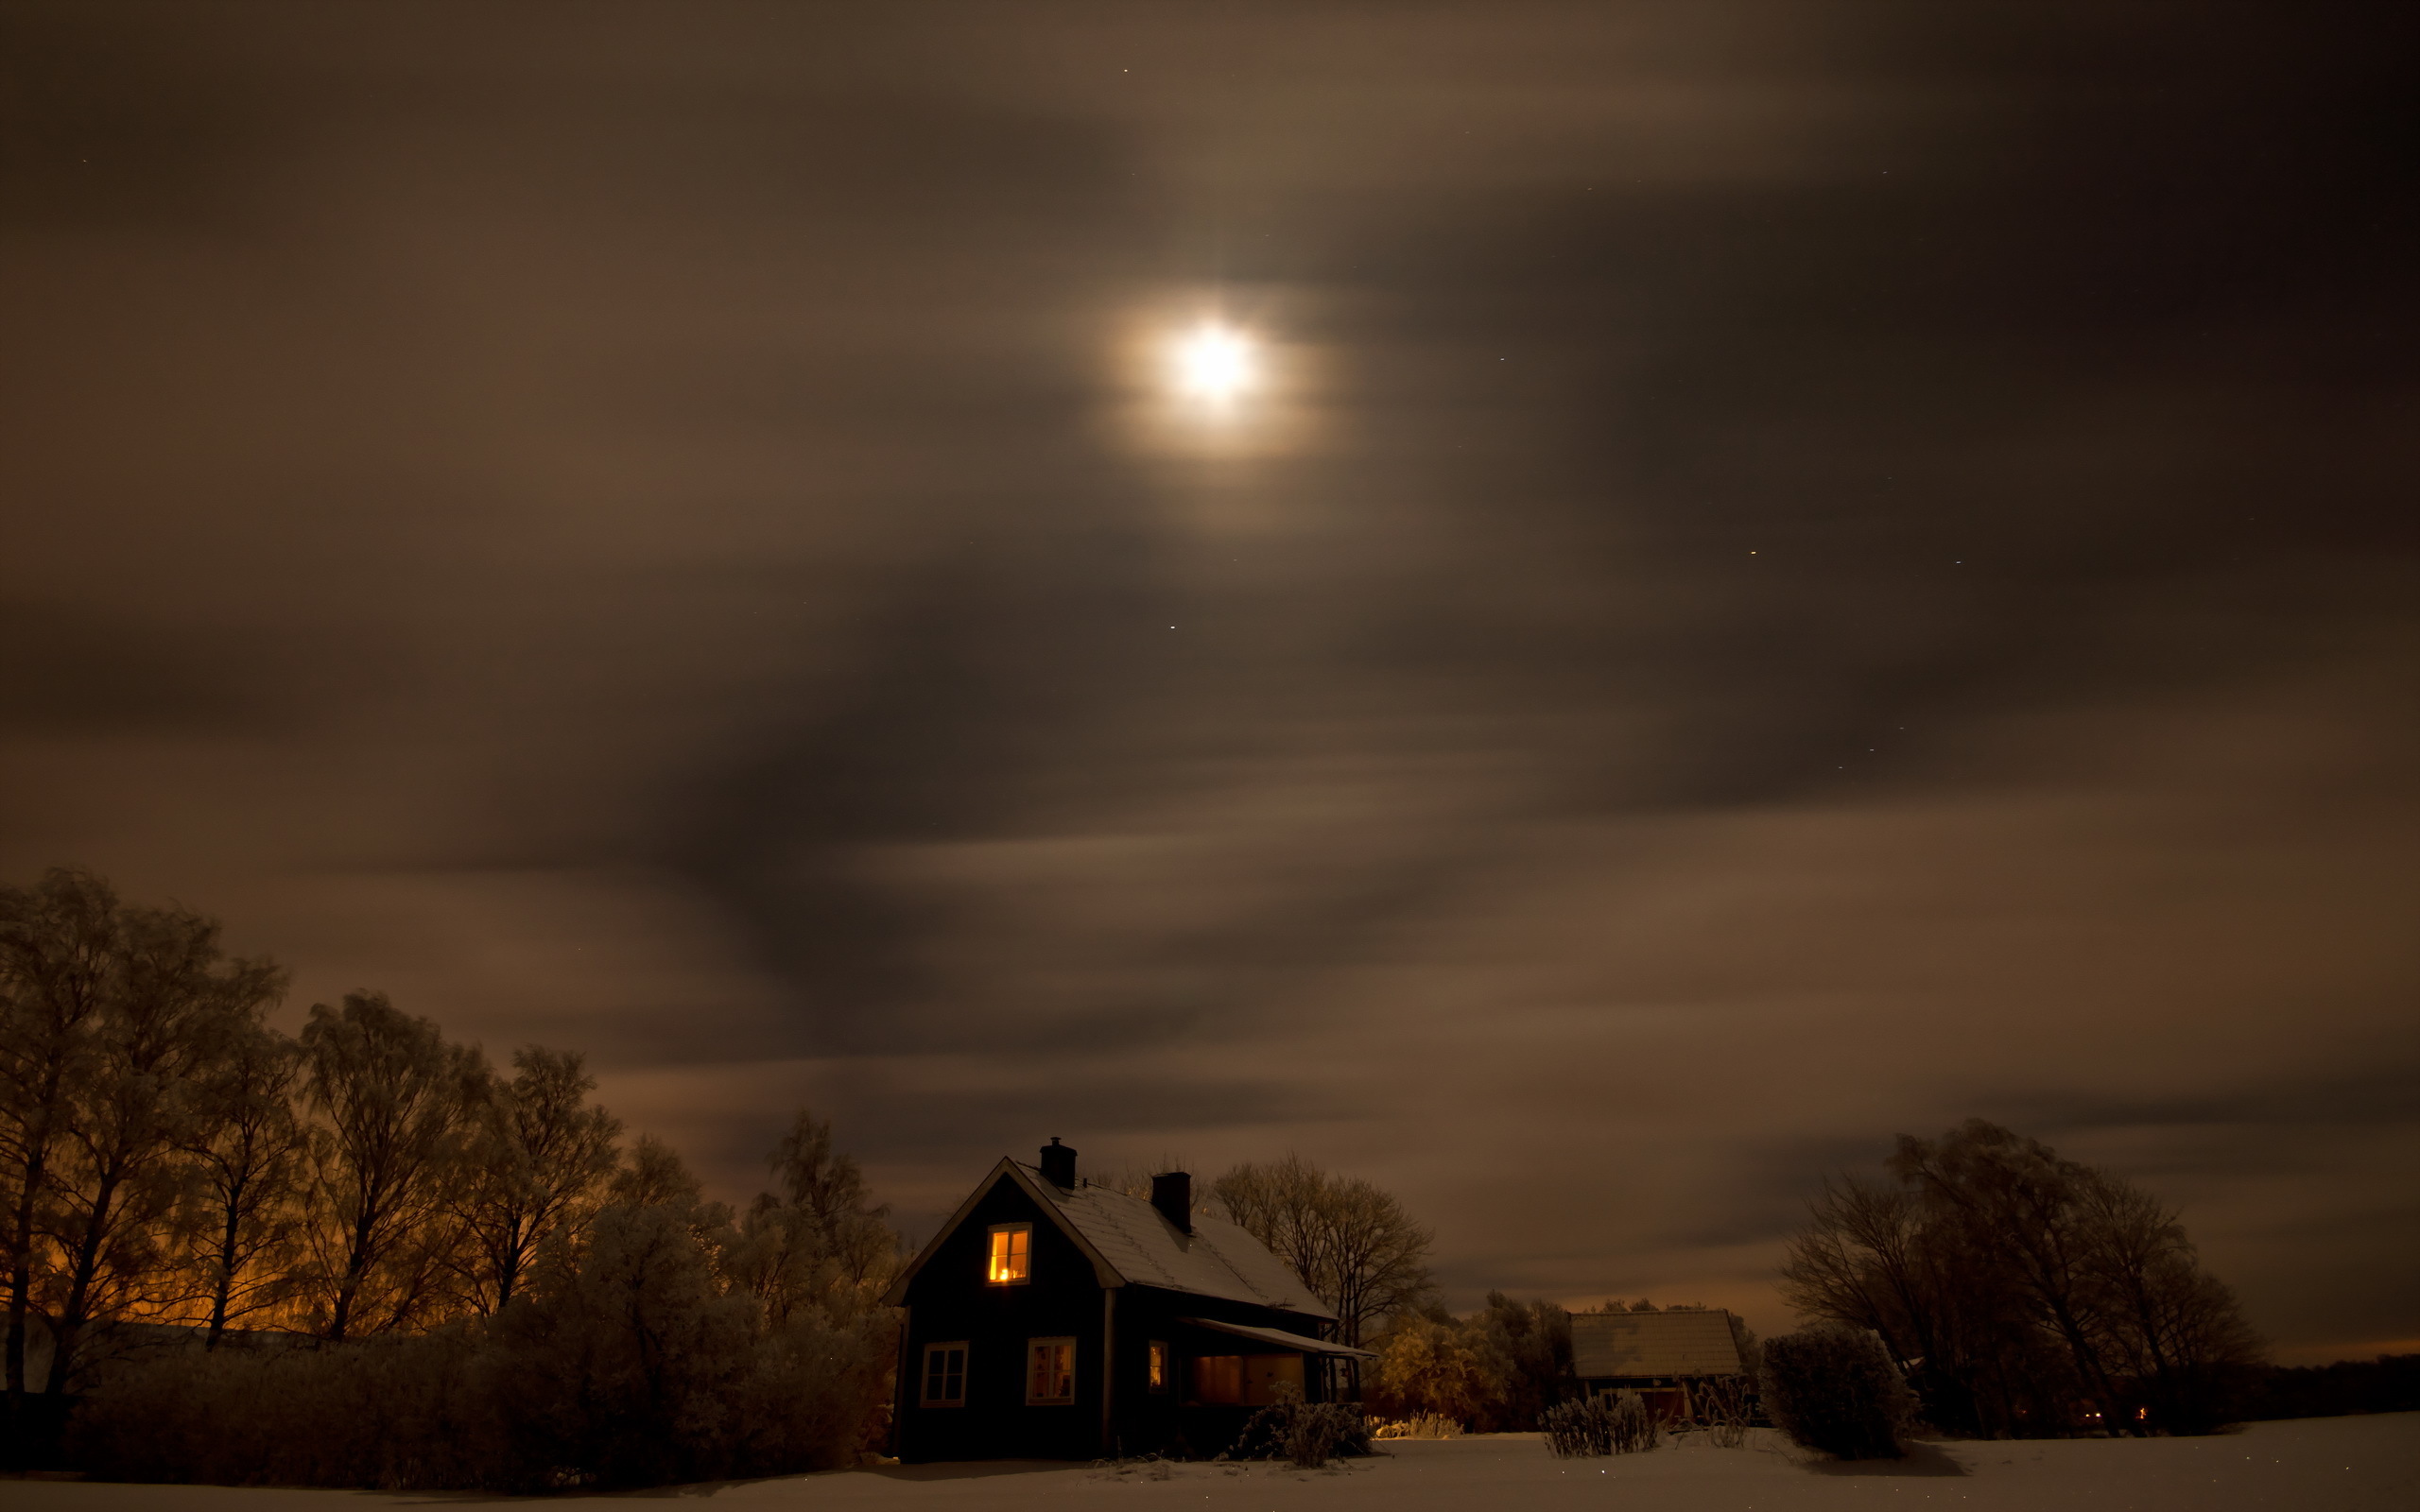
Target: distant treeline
[(2391, 1382), (365, 1256)]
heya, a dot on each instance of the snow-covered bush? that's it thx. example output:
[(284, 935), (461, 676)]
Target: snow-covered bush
[(1309, 1434), (1617, 1425), (1835, 1390)]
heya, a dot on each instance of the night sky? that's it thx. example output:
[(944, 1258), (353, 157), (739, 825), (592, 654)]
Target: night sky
[(1795, 573)]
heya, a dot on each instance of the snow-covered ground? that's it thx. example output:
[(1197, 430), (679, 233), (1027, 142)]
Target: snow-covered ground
[(2318, 1465)]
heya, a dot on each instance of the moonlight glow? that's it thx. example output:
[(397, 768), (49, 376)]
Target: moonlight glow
[(1213, 364)]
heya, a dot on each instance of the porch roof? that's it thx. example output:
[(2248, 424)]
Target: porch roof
[(1280, 1338)]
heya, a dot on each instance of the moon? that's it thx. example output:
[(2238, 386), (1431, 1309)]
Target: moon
[(1214, 364)]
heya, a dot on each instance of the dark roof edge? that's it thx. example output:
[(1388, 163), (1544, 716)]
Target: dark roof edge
[(1102, 1270), (1299, 1343)]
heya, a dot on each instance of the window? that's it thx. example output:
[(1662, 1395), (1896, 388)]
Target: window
[(1157, 1371), (946, 1374), (1011, 1253), (1268, 1376), (1051, 1372), (1245, 1379), (1219, 1378)]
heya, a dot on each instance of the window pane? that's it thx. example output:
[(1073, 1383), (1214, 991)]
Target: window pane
[(1219, 1378), (944, 1375), (1265, 1375), (1050, 1370), (1006, 1259)]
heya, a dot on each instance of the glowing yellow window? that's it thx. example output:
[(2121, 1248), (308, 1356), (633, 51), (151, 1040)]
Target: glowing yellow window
[(1157, 1372), (1011, 1256)]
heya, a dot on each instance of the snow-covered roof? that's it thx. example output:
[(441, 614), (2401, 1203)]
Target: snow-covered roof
[(1216, 1260), (1131, 1244), (1683, 1342)]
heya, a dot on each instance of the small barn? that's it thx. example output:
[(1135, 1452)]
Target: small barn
[(1668, 1357), (1051, 1318)]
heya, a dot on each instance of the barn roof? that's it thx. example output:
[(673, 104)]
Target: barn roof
[(1131, 1244), (1679, 1343)]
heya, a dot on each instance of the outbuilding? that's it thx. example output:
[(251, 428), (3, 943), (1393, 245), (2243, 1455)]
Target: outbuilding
[(1051, 1318), (1668, 1356)]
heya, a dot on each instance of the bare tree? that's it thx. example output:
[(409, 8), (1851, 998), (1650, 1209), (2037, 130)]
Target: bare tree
[(59, 941), (538, 1158), (2172, 1328), (155, 1002), (391, 1102), (2024, 1292), (2016, 1198), (246, 1148), (1353, 1245)]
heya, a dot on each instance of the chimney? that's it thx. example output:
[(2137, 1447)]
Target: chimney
[(1172, 1194), (1059, 1165)]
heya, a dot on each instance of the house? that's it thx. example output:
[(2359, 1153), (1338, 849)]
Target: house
[(1668, 1357), (1050, 1318)]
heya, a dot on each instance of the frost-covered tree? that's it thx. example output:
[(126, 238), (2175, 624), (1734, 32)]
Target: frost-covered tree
[(536, 1159), (1437, 1366), (112, 1019), (245, 1153), (391, 1104)]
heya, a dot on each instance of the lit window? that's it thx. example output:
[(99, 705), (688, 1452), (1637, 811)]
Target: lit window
[(1219, 1378), (1012, 1254), (1050, 1373), (1158, 1372), (946, 1374), (1269, 1377)]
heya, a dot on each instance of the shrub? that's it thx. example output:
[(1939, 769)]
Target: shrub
[(624, 1364), (1724, 1410), (1308, 1434), (381, 1415), (1419, 1425), (1835, 1390), (1617, 1425)]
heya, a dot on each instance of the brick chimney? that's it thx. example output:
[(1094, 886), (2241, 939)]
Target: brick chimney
[(1059, 1165), (1172, 1193)]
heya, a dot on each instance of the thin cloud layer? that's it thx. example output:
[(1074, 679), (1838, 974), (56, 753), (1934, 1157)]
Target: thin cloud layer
[(1809, 571)]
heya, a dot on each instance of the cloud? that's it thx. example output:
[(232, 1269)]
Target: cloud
[(1813, 579)]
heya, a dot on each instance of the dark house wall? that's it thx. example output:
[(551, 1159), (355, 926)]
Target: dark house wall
[(1154, 1422), (949, 1300)]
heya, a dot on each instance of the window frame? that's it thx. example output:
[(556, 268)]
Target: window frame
[(1159, 1368), (925, 1378), (1035, 1346), (992, 1253)]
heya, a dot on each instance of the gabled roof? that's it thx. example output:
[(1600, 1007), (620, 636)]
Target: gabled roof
[(1131, 1244), (1678, 1343)]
